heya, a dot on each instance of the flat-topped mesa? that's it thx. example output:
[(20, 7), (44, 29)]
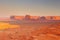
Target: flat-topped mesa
[(42, 18), (12, 17), (28, 19)]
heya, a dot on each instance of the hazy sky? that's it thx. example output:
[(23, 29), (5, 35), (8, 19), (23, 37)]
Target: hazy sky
[(32, 7)]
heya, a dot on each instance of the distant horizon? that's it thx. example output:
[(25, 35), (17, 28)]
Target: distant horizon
[(35, 17), (24, 15), (27, 14)]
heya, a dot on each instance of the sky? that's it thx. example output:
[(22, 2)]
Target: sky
[(30, 7)]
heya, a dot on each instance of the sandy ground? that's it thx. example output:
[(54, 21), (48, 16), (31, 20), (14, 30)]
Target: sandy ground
[(31, 32)]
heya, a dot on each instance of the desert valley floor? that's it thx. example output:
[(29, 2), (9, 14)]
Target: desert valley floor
[(42, 31)]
